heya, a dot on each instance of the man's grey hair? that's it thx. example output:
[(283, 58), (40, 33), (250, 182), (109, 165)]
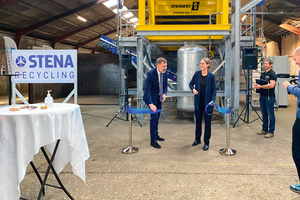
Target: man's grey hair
[(270, 61), (161, 60)]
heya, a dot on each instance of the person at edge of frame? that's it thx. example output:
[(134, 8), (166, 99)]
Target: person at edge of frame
[(295, 90)]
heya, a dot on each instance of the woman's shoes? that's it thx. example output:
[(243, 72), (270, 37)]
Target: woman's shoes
[(205, 147), (196, 143)]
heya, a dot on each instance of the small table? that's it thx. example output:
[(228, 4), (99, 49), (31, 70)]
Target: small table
[(24, 132)]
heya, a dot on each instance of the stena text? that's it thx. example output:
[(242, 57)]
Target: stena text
[(44, 66)]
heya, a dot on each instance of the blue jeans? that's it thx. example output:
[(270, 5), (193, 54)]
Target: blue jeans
[(267, 111)]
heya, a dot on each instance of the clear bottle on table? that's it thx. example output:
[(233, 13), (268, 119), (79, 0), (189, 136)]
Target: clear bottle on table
[(49, 99)]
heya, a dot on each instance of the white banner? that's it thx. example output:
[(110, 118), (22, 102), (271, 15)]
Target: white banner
[(44, 66), (9, 46)]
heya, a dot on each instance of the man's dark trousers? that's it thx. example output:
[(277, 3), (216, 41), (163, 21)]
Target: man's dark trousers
[(296, 145), (154, 121)]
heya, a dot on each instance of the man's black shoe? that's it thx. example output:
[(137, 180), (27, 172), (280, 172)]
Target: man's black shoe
[(155, 144), (205, 148), (159, 138), (196, 143)]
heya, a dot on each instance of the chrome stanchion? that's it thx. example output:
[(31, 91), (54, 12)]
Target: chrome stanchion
[(227, 151), (130, 149)]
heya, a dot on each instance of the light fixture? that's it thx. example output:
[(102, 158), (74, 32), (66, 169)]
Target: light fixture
[(110, 3), (81, 18), (134, 20), (244, 18), (128, 15)]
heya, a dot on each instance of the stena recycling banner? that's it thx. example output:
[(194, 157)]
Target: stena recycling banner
[(44, 66), (9, 46)]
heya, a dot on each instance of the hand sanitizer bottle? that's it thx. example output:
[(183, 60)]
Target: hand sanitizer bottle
[(2, 70), (49, 99)]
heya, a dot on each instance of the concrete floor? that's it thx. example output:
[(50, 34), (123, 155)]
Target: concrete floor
[(262, 169)]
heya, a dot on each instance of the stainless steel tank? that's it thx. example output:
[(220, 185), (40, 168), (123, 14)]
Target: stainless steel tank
[(188, 63)]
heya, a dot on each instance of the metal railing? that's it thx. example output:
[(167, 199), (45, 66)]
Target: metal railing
[(248, 22)]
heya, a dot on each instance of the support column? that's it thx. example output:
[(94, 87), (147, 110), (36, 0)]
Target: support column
[(122, 81), (139, 78), (142, 9), (227, 71), (236, 65)]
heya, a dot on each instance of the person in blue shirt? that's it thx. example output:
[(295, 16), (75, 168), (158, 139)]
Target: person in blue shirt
[(295, 90), (203, 85)]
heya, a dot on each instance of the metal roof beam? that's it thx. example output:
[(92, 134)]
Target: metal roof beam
[(272, 37), (60, 38), (92, 39), (290, 28), (296, 2), (6, 2), (274, 21), (87, 41), (31, 28)]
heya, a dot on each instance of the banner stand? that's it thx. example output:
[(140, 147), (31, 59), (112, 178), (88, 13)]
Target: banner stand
[(15, 92), (44, 66)]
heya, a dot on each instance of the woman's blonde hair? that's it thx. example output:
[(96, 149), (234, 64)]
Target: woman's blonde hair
[(207, 61)]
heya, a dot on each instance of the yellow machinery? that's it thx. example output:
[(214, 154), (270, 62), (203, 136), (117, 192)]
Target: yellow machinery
[(184, 20)]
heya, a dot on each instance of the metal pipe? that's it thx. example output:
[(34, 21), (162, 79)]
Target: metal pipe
[(139, 76), (249, 5), (118, 26), (254, 27), (213, 13), (228, 125), (209, 43), (262, 19), (236, 65), (130, 124), (271, 13)]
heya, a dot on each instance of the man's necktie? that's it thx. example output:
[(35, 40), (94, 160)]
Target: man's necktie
[(161, 89)]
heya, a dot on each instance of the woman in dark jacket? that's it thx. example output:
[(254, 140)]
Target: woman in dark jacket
[(203, 85)]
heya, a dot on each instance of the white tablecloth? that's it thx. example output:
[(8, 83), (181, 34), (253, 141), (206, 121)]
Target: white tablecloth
[(23, 132)]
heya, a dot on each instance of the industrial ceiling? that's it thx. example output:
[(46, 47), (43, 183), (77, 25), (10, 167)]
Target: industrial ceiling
[(57, 20)]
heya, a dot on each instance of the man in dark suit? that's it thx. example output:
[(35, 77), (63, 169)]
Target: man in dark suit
[(155, 94)]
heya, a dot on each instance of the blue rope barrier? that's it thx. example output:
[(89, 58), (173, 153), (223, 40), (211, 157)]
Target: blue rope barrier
[(220, 109), (144, 111)]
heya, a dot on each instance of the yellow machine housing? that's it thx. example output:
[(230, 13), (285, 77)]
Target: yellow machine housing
[(183, 12), (184, 15)]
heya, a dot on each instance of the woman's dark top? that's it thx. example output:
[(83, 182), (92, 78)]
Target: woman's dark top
[(202, 92)]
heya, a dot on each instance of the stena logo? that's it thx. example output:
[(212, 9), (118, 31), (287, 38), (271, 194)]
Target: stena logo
[(50, 61), (20, 61)]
